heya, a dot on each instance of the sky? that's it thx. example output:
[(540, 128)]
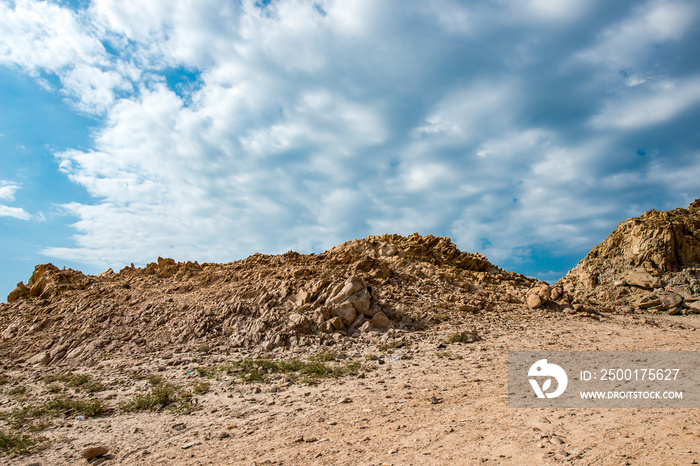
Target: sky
[(525, 130)]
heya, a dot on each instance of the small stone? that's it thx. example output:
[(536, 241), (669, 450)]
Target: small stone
[(435, 400), (345, 400), (332, 423), (180, 426), (94, 452), (556, 440), (189, 445), (224, 435), (393, 451)]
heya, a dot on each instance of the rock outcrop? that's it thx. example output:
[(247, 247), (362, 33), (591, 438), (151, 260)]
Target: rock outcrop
[(648, 264), (355, 290)]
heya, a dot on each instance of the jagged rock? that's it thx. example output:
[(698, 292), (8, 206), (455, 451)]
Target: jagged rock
[(346, 312), (656, 250), (380, 321), (262, 302), (41, 358), (19, 292), (668, 299), (642, 279), (351, 286), (649, 300)]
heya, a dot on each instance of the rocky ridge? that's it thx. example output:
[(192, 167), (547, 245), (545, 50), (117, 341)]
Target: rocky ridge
[(359, 289), (649, 263)]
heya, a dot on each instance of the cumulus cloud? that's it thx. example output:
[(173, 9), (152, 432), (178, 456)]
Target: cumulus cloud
[(7, 193), (509, 126)]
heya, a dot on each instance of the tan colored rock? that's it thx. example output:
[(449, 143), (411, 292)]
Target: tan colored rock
[(655, 250), (360, 301), (93, 452), (41, 358), (649, 300), (538, 296), (668, 299), (19, 292), (380, 321), (38, 287), (694, 307), (352, 285), (642, 279), (346, 312), (337, 323), (534, 301)]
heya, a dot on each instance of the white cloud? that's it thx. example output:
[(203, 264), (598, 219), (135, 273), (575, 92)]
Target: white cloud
[(465, 114), (302, 124), (7, 193), (629, 41), (653, 104)]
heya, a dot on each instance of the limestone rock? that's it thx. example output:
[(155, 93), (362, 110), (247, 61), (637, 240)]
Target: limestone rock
[(380, 321), (642, 279), (346, 312)]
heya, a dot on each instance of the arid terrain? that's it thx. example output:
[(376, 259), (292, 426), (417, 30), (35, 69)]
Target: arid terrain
[(385, 350)]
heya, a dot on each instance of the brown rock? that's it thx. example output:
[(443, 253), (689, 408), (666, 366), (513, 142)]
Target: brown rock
[(19, 292), (534, 301), (347, 312), (380, 321), (93, 452), (642, 279), (668, 298)]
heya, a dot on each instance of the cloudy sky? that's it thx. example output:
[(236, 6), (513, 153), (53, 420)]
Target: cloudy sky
[(211, 130)]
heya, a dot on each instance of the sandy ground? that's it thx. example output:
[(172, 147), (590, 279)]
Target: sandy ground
[(433, 406)]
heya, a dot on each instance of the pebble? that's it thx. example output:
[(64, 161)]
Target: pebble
[(189, 445), (180, 426), (393, 451)]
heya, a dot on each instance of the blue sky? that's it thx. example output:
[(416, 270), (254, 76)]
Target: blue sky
[(211, 130)]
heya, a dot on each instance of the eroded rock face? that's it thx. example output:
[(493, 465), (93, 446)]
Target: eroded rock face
[(650, 262), (358, 289)]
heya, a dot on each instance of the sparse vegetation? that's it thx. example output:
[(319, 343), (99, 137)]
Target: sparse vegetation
[(24, 422), (154, 379), (392, 345), (324, 356), (201, 388), (160, 397), (71, 380), (260, 370), (19, 390), (18, 444), (204, 348)]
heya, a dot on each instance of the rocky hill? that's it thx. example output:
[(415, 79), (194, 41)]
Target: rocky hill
[(648, 264), (362, 287)]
